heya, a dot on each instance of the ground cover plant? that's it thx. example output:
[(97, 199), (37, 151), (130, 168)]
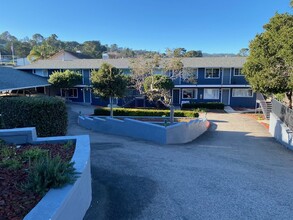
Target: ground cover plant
[(27, 172)]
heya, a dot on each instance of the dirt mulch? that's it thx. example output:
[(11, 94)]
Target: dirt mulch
[(258, 117), (15, 203)]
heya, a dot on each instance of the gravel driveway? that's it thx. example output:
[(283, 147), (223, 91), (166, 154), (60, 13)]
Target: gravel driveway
[(234, 171)]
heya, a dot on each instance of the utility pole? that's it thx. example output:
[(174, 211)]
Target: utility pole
[(12, 52)]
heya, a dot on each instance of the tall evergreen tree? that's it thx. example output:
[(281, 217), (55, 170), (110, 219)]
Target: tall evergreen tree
[(109, 82), (269, 66)]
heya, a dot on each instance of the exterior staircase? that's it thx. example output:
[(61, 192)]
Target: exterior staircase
[(265, 105)]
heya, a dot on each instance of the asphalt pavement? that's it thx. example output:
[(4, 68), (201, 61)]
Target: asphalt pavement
[(236, 170)]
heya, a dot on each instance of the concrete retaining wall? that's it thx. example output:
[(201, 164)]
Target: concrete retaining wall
[(280, 131), (185, 132), (19, 135), (71, 201), (182, 132)]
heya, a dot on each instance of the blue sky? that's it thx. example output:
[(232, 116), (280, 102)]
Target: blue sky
[(213, 26)]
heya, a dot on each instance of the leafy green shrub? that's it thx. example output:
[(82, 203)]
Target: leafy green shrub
[(48, 173), (34, 154), (69, 144), (144, 112), (6, 151), (2, 125), (11, 163), (47, 114), (9, 158), (2, 143), (208, 105)]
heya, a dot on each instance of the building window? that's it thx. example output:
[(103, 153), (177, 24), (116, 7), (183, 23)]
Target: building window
[(211, 93), (212, 73), (238, 72), (242, 93), (189, 93), (72, 93)]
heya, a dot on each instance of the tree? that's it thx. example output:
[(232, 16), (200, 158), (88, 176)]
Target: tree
[(65, 80), (243, 52), (193, 53), (22, 49), (109, 82), (41, 52), (72, 46), (158, 87), (176, 70), (269, 67), (93, 49), (37, 39), (6, 36), (142, 68), (179, 52), (113, 48), (174, 67)]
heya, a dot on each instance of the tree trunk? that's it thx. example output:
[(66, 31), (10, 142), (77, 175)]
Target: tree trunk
[(66, 95), (111, 107), (289, 96), (171, 113)]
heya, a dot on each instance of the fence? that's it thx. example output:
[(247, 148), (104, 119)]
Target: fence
[(7, 59), (284, 113)]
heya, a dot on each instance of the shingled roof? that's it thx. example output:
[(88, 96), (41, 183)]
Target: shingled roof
[(76, 55), (198, 62), (12, 79)]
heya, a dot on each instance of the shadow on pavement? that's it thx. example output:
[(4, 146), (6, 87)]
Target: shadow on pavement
[(118, 196)]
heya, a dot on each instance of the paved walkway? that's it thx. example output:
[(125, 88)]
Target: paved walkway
[(234, 171)]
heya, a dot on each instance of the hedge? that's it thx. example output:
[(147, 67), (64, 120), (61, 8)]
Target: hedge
[(47, 114), (207, 105), (143, 112)]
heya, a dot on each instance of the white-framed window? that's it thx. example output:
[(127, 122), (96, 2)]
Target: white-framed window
[(189, 93), (212, 73), (211, 93), (71, 93), (238, 72), (242, 93)]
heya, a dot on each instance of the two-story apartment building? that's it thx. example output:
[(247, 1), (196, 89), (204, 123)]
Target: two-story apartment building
[(215, 79), (218, 79)]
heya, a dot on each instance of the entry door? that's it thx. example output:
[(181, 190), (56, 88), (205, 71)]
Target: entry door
[(226, 96), (87, 96), (175, 97), (226, 78)]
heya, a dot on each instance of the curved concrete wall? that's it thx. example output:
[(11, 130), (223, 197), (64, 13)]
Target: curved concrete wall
[(72, 201), (182, 132), (185, 132)]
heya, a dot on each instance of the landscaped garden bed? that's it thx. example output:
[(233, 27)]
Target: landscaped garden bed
[(258, 117), (18, 163), (145, 112)]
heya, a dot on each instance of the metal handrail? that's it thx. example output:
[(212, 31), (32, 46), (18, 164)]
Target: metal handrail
[(263, 104)]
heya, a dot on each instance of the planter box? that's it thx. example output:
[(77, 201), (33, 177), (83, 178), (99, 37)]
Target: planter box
[(72, 201), (177, 133)]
